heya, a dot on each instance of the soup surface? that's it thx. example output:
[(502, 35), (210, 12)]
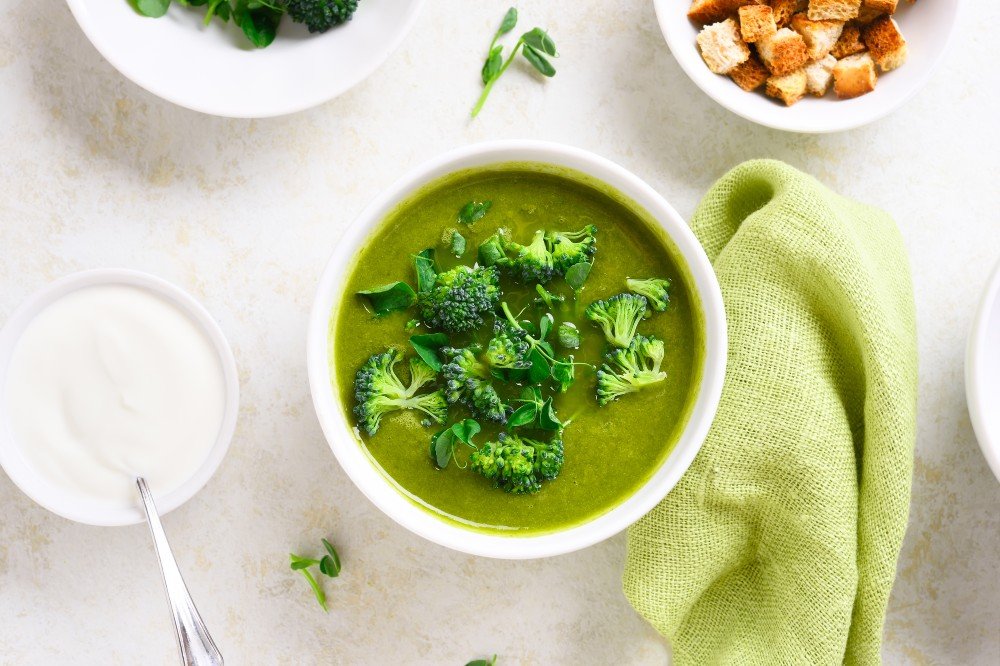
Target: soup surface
[(610, 451)]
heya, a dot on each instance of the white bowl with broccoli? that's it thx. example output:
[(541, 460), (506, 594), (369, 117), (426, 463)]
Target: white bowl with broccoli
[(246, 58)]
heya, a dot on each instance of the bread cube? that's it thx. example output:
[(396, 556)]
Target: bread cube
[(721, 46), (783, 52), (756, 22), (819, 74), (854, 76), (789, 88), (785, 9), (885, 43), (820, 36), (750, 74), (833, 10), (880, 6), (713, 11), (849, 42)]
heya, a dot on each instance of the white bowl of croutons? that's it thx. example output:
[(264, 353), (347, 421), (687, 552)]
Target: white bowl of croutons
[(808, 65)]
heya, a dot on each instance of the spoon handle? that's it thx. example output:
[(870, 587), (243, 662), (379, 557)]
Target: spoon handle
[(196, 645)]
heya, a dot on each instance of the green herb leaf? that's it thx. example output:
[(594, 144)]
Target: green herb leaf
[(494, 61), (540, 42), (443, 447), (483, 662), (458, 244), (330, 564), (259, 23), (427, 345), (473, 211), (390, 297), (522, 416), (545, 325), (547, 418), (564, 373), (152, 8), (465, 430), (317, 590), (538, 61), (577, 274), (298, 562), (568, 335), (426, 270), (491, 252), (540, 369), (508, 22)]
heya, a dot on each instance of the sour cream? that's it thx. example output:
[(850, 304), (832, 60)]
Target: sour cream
[(110, 382)]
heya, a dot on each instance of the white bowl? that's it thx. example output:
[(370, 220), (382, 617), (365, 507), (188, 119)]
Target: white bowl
[(373, 482), (927, 26), (69, 505), (213, 69), (982, 374)]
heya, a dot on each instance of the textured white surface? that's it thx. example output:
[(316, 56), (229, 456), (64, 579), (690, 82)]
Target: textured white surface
[(96, 172)]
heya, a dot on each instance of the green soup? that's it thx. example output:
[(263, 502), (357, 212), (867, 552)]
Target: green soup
[(610, 451)]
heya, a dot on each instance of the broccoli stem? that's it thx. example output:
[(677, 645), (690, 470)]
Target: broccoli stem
[(503, 68)]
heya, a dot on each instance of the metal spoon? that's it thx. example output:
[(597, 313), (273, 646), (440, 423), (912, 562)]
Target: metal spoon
[(196, 645)]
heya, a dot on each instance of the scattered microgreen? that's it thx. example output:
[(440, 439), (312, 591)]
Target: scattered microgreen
[(411, 325), (329, 565), (152, 8), (258, 21), (390, 297), (536, 46), (564, 373), (474, 211), (424, 263), (444, 442), (577, 274), (427, 346), (458, 244), (568, 335), (483, 662), (545, 325), (547, 298)]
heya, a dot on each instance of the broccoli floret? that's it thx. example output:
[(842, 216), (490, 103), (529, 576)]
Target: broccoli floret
[(571, 247), (508, 349), (656, 291), (519, 465), (628, 370), (467, 381), (531, 262), (491, 252), (378, 391), (618, 317), (460, 298), (320, 15)]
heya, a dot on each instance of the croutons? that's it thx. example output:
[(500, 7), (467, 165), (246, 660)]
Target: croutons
[(756, 23), (819, 74), (820, 36), (783, 52), (750, 74), (789, 88), (885, 43), (879, 6), (785, 9), (849, 42), (721, 46), (854, 76), (713, 11), (833, 10)]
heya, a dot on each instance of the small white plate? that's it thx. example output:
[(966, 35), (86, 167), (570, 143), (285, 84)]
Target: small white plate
[(70, 505), (214, 69), (927, 26), (982, 374)]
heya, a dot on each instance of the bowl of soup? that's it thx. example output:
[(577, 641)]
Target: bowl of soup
[(517, 350)]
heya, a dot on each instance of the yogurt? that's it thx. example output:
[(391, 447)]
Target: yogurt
[(110, 382)]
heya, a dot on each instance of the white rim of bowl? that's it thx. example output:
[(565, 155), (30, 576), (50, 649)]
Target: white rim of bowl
[(43, 493), (124, 67), (661, 6), (988, 438), (375, 484)]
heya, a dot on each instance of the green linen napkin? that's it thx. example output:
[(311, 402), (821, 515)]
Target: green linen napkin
[(779, 545)]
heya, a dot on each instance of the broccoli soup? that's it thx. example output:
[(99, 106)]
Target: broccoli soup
[(518, 348)]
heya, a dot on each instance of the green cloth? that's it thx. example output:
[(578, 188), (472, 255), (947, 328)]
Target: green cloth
[(779, 545)]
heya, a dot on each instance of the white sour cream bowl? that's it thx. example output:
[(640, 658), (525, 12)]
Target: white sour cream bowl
[(105, 375)]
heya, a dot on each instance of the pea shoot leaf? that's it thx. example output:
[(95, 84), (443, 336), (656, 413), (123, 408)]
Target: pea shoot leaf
[(474, 211), (427, 345), (390, 297), (424, 263), (577, 274)]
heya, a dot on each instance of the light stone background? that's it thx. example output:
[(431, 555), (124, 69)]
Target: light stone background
[(96, 172)]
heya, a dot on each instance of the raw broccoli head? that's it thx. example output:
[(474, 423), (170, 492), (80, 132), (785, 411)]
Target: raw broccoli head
[(379, 391), (519, 465), (320, 15), (618, 317), (467, 381), (508, 349), (531, 262), (571, 247), (628, 370), (656, 291), (460, 299)]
